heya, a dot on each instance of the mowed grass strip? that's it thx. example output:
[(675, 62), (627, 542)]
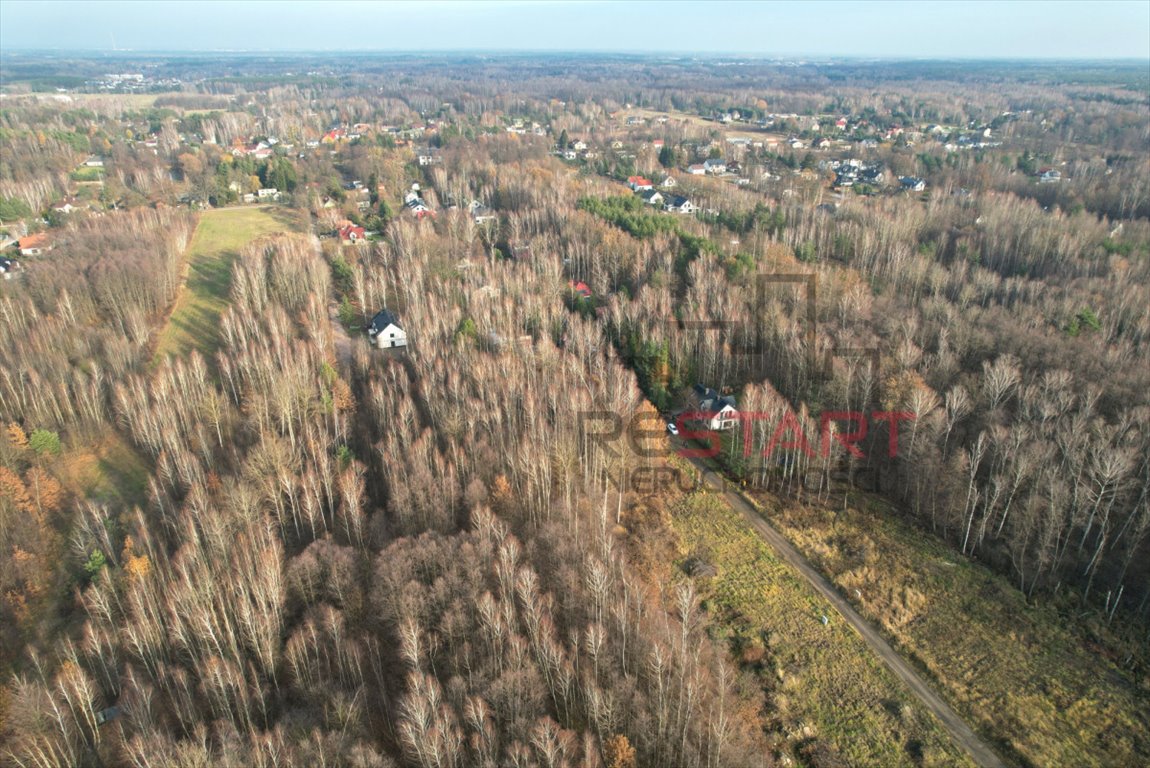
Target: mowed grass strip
[(220, 234), (1015, 671), (823, 680)]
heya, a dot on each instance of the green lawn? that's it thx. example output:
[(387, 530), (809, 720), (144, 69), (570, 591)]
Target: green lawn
[(87, 174), (822, 680), (221, 233), (1016, 671)]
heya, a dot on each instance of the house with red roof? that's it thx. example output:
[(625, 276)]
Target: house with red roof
[(33, 245), (580, 288), (350, 233)]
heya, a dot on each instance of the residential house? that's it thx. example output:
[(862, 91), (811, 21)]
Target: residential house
[(652, 197), (678, 204), (713, 410), (912, 183), (414, 203), (268, 193), (480, 213), (350, 233), (418, 208), (668, 182), (658, 144), (579, 146), (639, 184), (66, 206), (7, 267), (385, 331), (715, 165), (580, 288), (95, 161), (1049, 176), (33, 245), (698, 169), (429, 156)]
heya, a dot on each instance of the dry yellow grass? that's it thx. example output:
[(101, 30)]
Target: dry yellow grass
[(823, 679), (1014, 670)]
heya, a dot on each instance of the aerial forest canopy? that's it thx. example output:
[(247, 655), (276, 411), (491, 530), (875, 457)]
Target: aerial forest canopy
[(238, 530)]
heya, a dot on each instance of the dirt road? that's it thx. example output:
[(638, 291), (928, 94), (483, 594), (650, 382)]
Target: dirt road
[(962, 733)]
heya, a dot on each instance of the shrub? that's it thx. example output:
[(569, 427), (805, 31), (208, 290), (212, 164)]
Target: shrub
[(44, 441)]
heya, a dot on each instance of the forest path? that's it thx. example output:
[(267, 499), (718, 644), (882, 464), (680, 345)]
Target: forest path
[(962, 734)]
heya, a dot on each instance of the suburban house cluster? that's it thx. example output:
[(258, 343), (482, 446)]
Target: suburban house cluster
[(670, 203), (853, 171)]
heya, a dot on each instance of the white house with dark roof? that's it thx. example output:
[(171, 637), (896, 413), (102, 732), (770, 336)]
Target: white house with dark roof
[(678, 204), (713, 410), (715, 165), (385, 331), (652, 197)]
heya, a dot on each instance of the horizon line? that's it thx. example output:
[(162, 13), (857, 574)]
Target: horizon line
[(738, 55)]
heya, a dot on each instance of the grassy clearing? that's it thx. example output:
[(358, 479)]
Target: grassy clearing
[(822, 680), (106, 471), (220, 234), (1014, 670), (736, 129), (87, 175)]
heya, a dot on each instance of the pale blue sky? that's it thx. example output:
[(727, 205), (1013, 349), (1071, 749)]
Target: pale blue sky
[(884, 28)]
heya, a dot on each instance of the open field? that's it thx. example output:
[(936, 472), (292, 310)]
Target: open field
[(823, 681), (1012, 669), (127, 101), (221, 233), (734, 129)]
